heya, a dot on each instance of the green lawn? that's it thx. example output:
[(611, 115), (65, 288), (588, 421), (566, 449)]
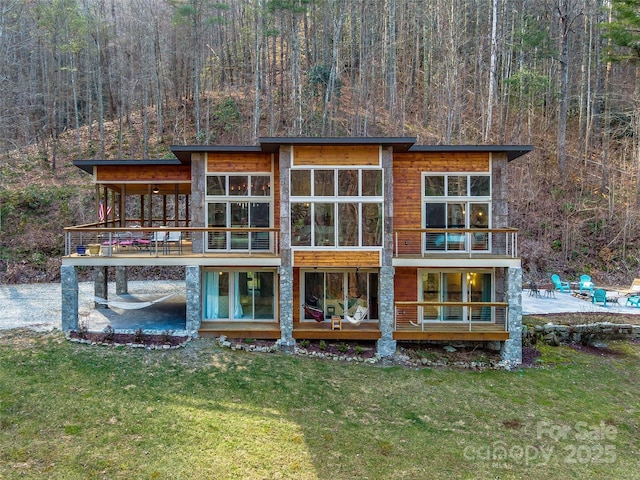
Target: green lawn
[(72, 411)]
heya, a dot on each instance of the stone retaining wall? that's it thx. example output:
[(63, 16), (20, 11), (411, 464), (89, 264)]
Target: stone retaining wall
[(587, 334)]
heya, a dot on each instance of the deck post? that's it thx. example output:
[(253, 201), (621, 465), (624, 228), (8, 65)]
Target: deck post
[(511, 350), (122, 287), (194, 299), (100, 285), (386, 345), (69, 288)]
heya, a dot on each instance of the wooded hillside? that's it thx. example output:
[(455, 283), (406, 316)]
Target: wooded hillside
[(128, 78)]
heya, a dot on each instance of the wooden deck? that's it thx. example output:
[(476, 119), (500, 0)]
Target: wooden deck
[(488, 332), (365, 331)]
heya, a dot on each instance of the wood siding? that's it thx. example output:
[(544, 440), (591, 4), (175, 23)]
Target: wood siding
[(335, 155), (137, 174), (335, 258), (405, 285), (239, 162), (407, 179)]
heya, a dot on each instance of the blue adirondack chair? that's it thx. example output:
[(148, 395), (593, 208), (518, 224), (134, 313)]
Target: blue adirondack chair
[(599, 295), (586, 284), (558, 284), (634, 301)]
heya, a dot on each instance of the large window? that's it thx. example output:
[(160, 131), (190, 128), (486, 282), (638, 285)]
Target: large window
[(456, 286), (455, 201), (339, 292), (336, 207), (239, 295), (239, 201)]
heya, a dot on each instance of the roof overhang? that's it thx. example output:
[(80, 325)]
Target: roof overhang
[(512, 151), (88, 165), (399, 144)]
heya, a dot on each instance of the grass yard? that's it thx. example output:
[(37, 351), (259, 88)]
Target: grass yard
[(72, 411)]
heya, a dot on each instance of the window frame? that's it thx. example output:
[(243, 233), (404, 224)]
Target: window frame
[(451, 205), (238, 241), (306, 229)]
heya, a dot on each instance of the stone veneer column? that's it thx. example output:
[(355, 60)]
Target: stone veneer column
[(69, 286), (122, 281), (386, 345), (196, 205), (511, 350), (101, 286), (194, 299), (286, 308), (285, 272)]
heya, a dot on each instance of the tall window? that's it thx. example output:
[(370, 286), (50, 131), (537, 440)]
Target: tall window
[(239, 201), (456, 286), (336, 207), (455, 201), (339, 293), (239, 295)]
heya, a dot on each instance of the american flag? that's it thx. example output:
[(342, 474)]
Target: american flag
[(101, 211)]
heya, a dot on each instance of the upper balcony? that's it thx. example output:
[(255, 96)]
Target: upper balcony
[(94, 245), (430, 246)]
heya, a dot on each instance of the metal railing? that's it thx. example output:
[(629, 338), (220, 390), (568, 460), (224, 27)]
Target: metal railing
[(91, 240), (437, 241), (420, 316)]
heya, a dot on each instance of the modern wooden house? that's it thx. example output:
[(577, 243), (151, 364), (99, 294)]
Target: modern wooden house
[(316, 238)]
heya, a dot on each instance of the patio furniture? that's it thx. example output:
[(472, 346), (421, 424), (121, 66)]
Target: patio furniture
[(634, 301), (315, 313), (586, 284), (359, 315), (558, 284), (599, 296)]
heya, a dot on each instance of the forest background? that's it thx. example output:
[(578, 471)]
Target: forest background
[(128, 78)]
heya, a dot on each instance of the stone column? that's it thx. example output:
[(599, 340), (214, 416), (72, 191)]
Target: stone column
[(194, 299), (100, 285), (511, 350), (286, 308), (69, 285), (386, 345), (286, 269), (197, 204), (122, 282)]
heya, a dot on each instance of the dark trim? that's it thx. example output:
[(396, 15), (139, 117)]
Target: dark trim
[(512, 151), (399, 144), (87, 165)]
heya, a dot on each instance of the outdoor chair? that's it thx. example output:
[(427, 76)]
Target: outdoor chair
[(634, 301), (359, 315), (315, 313), (599, 295), (558, 284), (586, 284)]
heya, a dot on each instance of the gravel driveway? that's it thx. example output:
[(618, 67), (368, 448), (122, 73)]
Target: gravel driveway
[(38, 306)]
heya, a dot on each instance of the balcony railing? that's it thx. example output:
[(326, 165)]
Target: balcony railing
[(437, 241), (420, 316), (90, 240)]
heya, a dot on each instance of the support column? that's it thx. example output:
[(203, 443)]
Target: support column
[(286, 308), (511, 350), (122, 286), (69, 287), (100, 285), (197, 203), (194, 299), (386, 345)]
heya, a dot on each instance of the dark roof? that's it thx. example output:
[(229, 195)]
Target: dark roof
[(273, 144), (87, 165), (399, 144), (512, 151)]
